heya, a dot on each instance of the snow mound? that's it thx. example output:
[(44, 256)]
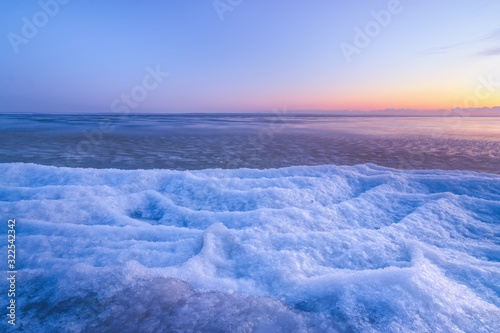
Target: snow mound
[(300, 249)]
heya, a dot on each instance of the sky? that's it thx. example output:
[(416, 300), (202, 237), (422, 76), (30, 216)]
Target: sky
[(67, 56)]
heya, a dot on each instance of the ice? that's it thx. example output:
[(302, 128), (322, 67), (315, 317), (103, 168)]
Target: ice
[(232, 141), (300, 249)]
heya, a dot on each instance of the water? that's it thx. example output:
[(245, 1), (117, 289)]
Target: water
[(191, 142)]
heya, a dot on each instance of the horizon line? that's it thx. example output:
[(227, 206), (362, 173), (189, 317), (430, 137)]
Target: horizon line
[(471, 112)]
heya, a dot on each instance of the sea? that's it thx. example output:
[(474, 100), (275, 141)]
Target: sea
[(275, 222)]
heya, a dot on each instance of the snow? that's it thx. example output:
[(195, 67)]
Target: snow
[(299, 249)]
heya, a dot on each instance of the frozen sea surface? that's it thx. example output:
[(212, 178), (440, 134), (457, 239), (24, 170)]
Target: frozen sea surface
[(188, 142), (300, 249)]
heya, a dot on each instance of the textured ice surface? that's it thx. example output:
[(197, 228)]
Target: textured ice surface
[(189, 142), (301, 249)]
